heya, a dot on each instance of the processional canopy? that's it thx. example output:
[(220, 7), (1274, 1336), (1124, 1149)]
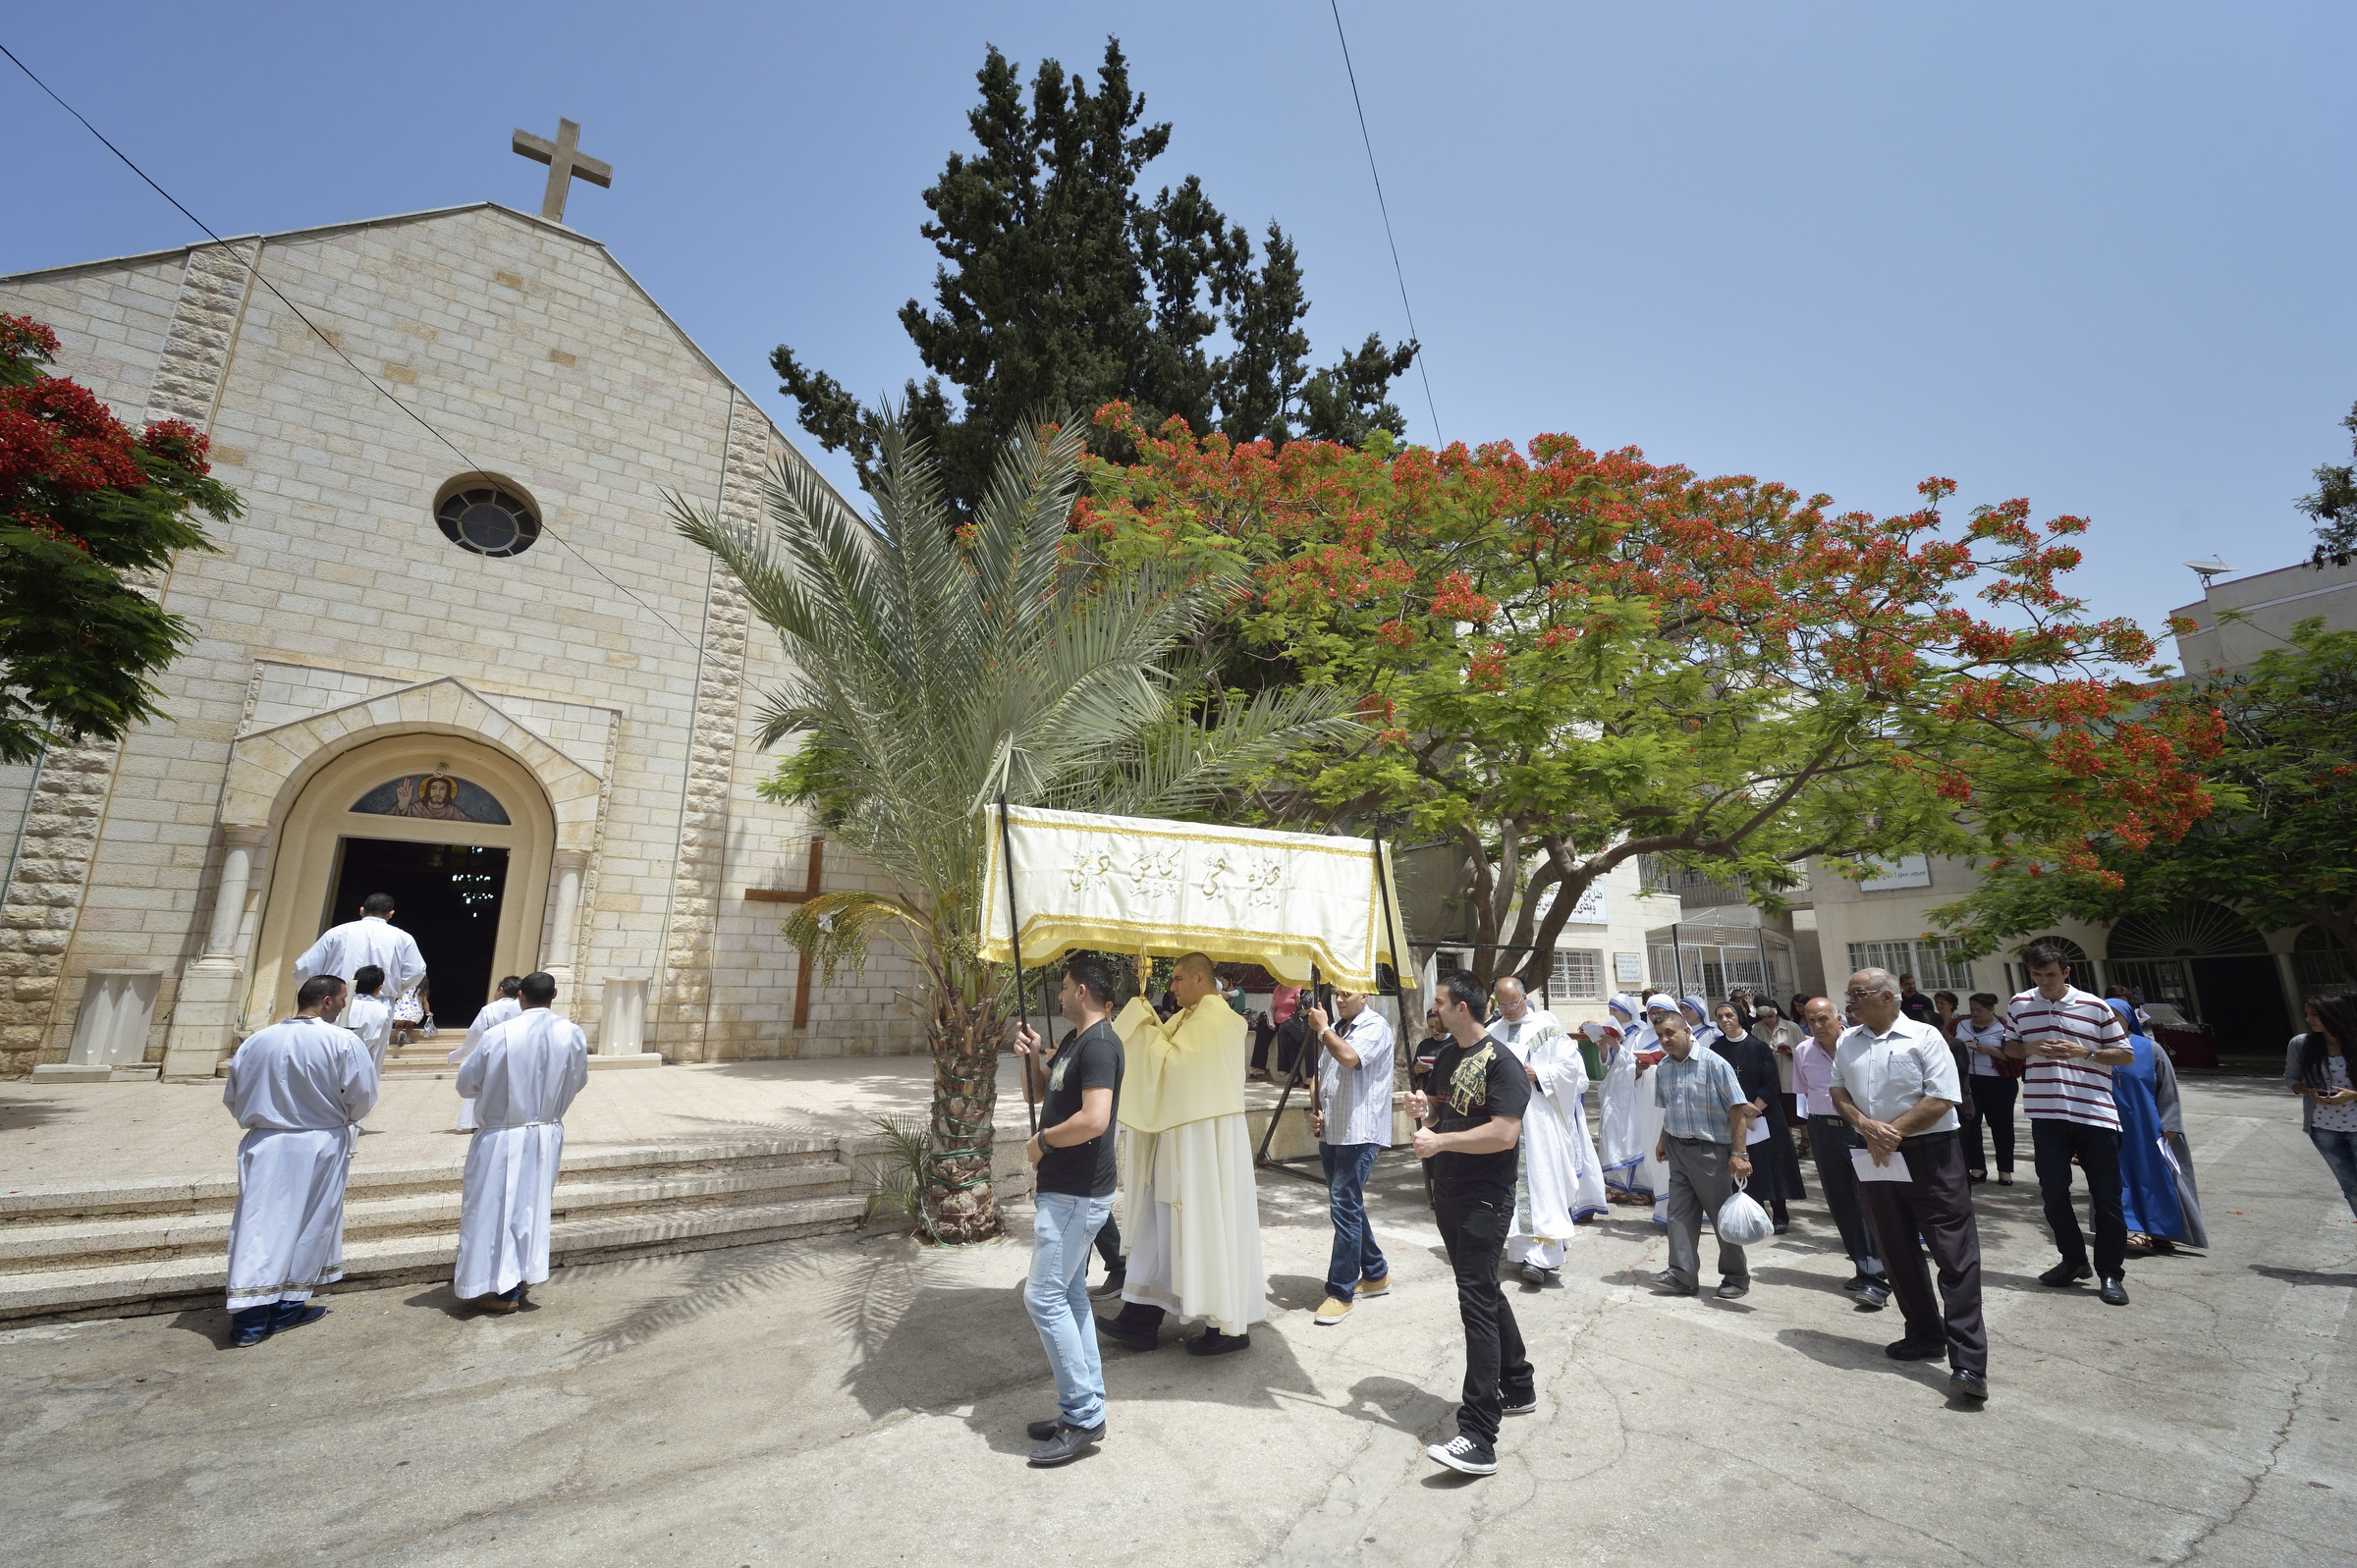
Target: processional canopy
[(1138, 885)]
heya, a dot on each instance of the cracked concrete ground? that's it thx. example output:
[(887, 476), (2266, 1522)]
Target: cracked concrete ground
[(861, 1401)]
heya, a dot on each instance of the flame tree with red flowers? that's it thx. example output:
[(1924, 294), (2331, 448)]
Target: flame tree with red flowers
[(85, 502), (1569, 658)]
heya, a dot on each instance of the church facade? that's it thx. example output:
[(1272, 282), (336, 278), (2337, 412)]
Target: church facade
[(460, 658)]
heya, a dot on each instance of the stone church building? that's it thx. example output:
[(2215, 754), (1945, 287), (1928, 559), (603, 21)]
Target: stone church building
[(490, 680)]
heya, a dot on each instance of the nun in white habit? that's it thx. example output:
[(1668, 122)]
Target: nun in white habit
[(300, 1088), (522, 1078)]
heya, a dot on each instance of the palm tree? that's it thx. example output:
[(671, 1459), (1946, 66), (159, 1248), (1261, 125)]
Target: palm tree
[(937, 670)]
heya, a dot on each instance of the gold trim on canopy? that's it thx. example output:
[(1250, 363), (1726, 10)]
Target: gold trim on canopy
[(1137, 885)]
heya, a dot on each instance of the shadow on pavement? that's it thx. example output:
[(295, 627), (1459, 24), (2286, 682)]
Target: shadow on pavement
[(21, 1115), (2303, 1277), (1845, 1354)]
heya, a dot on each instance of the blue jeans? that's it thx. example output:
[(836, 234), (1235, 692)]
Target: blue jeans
[(2339, 1150), (1356, 1255), (1062, 1230)]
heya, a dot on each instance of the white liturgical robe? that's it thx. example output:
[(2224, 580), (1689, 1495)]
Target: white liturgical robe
[(522, 1078), (1560, 1180), (1191, 1208), (300, 1088), (371, 1018), (499, 1011), (344, 951)]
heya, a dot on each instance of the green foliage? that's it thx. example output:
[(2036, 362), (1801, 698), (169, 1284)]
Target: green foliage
[(2334, 505), (1062, 286), (1569, 659), (896, 1183), (939, 668), (85, 504), (2281, 844)]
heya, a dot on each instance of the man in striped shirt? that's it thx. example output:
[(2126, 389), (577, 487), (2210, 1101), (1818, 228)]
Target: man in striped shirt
[(2072, 1040)]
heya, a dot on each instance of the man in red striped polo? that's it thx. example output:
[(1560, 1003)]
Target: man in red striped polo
[(2072, 1040)]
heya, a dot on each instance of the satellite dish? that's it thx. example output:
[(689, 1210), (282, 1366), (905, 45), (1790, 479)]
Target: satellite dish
[(2207, 570)]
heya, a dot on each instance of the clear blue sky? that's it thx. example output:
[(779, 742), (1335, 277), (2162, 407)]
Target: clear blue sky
[(2098, 255)]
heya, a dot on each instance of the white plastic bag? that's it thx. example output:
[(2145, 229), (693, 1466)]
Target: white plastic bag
[(1742, 1222)]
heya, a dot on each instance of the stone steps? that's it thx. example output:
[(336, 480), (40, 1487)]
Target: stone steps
[(124, 1248)]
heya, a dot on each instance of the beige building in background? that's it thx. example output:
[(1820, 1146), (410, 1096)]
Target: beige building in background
[(547, 754)]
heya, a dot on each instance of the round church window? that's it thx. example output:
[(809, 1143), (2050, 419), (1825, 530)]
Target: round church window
[(488, 519)]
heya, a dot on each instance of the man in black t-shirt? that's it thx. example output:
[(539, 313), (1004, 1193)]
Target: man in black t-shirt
[(1079, 1085), (1471, 1111)]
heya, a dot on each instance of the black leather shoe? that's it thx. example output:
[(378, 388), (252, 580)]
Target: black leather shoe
[(2115, 1292), (248, 1326), (1069, 1444), (1042, 1431), (1967, 1384), (2066, 1274), (1129, 1336), (1212, 1342), (1875, 1297), (1915, 1350), (1733, 1289)]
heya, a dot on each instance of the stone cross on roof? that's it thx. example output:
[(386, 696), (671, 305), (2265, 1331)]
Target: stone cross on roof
[(566, 164)]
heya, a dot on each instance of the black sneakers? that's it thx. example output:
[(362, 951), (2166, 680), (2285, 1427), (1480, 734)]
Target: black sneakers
[(1467, 1455)]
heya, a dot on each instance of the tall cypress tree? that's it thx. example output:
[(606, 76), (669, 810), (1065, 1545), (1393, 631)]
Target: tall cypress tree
[(1061, 289)]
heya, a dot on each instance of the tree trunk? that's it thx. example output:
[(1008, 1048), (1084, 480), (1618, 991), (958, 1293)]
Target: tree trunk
[(960, 1205)]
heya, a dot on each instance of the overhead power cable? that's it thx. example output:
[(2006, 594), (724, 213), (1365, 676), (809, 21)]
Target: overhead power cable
[(1385, 208), (337, 348)]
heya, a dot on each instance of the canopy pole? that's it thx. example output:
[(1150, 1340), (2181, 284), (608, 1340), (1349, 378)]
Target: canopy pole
[(1293, 1079), (1014, 951)]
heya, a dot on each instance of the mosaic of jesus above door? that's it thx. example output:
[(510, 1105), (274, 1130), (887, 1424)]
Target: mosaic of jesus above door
[(433, 796)]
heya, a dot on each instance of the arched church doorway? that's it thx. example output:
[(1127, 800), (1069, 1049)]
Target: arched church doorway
[(2213, 964), (460, 836)]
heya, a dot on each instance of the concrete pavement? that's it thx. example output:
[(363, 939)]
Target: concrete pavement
[(861, 1401)]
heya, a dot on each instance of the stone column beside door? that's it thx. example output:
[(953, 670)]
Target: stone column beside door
[(206, 1009)]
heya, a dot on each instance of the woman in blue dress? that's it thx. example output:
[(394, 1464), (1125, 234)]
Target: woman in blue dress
[(2156, 1163)]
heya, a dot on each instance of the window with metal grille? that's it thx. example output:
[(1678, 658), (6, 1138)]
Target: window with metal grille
[(1577, 975)]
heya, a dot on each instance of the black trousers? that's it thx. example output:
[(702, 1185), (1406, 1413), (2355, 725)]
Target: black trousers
[(1937, 1205), (1109, 1245), (1830, 1143), (1991, 1103), (1473, 1224), (2053, 1143)]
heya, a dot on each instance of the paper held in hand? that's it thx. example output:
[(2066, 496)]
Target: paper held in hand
[(1896, 1171)]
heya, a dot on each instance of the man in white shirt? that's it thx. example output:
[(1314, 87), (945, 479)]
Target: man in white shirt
[(1830, 1143), (1895, 1084), (300, 1088), (372, 939), (1350, 1113), (2071, 1041), (524, 1078)]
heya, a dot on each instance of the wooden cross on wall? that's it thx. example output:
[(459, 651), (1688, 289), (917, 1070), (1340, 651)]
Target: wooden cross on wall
[(566, 163), (808, 891)]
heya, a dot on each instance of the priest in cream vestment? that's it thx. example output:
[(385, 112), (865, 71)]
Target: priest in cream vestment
[(1190, 1209)]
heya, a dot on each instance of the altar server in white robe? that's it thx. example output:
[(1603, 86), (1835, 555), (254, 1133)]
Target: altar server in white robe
[(523, 1078), (300, 1088), (1190, 1209), (372, 939), (1652, 1176), (371, 1015), (1559, 1182), (495, 1012)]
